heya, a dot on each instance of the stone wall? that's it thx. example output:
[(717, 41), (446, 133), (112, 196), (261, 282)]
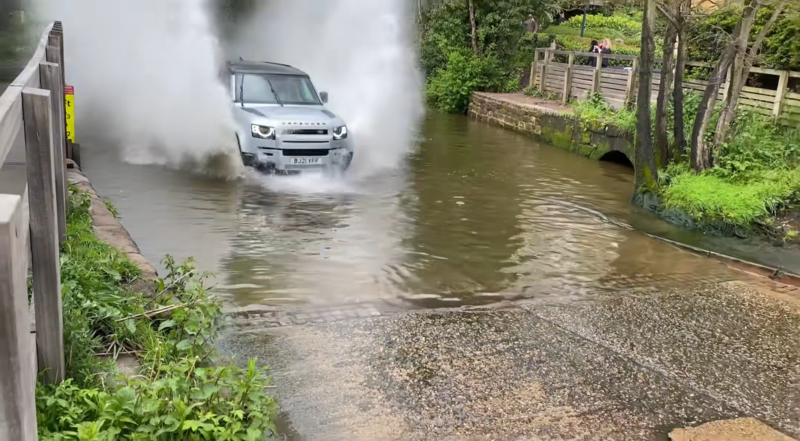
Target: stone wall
[(549, 122)]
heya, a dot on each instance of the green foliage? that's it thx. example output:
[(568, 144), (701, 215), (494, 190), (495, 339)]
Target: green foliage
[(630, 43), (781, 48), (594, 113), (712, 200), (92, 276), (183, 400), (782, 45), (454, 71), (621, 24), (536, 93), (755, 174), (112, 208), (451, 87), (757, 144), (181, 391)]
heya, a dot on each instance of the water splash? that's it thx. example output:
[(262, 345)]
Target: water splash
[(146, 80), (362, 53), (307, 184)]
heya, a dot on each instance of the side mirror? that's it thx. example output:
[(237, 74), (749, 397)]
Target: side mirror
[(324, 97)]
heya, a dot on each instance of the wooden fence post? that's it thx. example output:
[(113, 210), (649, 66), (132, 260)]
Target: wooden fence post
[(630, 91), (567, 92), (783, 87), (533, 69), (37, 118), (50, 79), (17, 381), (596, 80), (58, 32), (543, 83)]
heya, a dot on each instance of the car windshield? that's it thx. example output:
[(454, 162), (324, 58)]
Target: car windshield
[(290, 89)]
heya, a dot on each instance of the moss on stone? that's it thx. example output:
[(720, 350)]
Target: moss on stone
[(561, 130)]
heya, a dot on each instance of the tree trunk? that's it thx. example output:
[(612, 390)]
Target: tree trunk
[(741, 72), (677, 91), (701, 154), (474, 28), (662, 103), (645, 163)]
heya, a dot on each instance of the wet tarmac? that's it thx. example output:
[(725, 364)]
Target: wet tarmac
[(630, 365)]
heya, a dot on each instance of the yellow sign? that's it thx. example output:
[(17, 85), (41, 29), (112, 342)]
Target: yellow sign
[(69, 111)]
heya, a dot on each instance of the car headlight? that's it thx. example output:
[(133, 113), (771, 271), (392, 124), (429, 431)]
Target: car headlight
[(262, 132), (339, 133)]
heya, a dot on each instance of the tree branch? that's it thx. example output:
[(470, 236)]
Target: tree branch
[(671, 18), (759, 41)]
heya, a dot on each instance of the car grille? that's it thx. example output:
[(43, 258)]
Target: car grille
[(305, 131), (306, 152)]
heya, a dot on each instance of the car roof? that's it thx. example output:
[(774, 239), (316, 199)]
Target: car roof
[(245, 66)]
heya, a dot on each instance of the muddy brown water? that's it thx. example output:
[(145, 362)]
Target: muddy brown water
[(477, 212)]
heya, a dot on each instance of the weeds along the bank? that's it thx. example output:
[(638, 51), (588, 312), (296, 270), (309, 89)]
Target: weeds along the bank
[(755, 178), (181, 391)]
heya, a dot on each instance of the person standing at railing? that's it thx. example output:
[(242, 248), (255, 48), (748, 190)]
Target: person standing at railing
[(605, 48), (593, 49)]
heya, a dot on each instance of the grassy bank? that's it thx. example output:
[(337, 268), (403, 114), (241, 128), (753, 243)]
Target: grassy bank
[(753, 187), (180, 391)]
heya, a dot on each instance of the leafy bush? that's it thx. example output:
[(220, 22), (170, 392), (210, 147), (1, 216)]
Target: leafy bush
[(757, 144), (180, 392), (595, 113), (451, 87)]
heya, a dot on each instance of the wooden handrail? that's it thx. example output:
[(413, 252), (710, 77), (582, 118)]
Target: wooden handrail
[(32, 167)]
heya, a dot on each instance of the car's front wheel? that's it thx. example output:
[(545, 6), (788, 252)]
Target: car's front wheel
[(248, 159), (348, 159)]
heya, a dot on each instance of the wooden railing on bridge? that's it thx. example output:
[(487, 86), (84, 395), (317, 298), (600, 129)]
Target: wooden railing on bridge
[(574, 77), (33, 209)]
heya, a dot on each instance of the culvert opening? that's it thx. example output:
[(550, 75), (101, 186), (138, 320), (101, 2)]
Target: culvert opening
[(616, 157)]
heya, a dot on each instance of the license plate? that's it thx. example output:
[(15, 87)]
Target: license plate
[(306, 161)]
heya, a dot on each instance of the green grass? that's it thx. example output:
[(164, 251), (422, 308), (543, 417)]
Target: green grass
[(595, 113), (181, 392), (711, 199)]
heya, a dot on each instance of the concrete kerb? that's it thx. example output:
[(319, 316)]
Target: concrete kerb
[(108, 229), (752, 268)]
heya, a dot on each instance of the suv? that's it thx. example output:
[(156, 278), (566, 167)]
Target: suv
[(282, 123)]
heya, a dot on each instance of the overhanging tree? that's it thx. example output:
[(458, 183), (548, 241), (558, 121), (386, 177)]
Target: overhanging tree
[(701, 153), (743, 61), (670, 10)]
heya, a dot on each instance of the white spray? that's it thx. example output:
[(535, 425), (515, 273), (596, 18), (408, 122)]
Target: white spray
[(146, 75), (361, 52)]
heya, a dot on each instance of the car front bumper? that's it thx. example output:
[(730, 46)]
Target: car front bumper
[(297, 155)]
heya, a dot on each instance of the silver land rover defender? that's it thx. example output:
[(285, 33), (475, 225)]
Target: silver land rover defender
[(282, 123)]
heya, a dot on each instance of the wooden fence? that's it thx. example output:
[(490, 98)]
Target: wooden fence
[(33, 209), (573, 77)]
